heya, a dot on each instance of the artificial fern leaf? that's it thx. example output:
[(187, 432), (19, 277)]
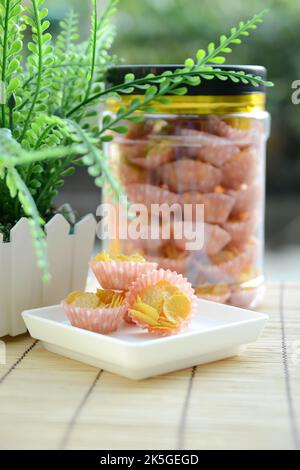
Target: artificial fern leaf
[(201, 68), (93, 61), (10, 50), (12, 154), (39, 65), (20, 190), (101, 40), (66, 61), (215, 55), (95, 159)]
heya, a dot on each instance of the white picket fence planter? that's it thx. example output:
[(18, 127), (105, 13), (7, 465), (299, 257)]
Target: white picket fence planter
[(21, 287)]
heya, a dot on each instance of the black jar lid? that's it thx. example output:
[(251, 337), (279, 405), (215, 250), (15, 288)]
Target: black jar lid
[(116, 76)]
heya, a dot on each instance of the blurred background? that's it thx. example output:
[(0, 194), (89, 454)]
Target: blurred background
[(166, 31)]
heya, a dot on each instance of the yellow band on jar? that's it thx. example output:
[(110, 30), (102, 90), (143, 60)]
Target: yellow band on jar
[(210, 104)]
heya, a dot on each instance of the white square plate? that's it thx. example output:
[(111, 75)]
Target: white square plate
[(216, 333)]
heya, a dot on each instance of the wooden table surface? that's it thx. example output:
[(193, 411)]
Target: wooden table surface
[(247, 402)]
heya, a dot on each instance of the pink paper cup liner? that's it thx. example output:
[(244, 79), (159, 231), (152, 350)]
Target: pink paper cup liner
[(221, 298), (152, 278), (119, 275), (98, 320), (149, 194), (229, 271), (246, 199), (175, 265), (246, 298), (241, 230)]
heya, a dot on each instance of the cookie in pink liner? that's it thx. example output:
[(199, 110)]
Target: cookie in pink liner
[(99, 320), (217, 206), (219, 293), (215, 237), (155, 156), (241, 229), (228, 265), (153, 237), (242, 138), (246, 198), (246, 297), (242, 169), (178, 265), (119, 275), (129, 174), (101, 312), (139, 130), (189, 175), (150, 289), (133, 150), (144, 247), (209, 148), (148, 194)]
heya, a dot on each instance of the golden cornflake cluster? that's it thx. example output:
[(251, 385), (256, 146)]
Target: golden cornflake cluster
[(161, 306), (104, 256), (102, 299)]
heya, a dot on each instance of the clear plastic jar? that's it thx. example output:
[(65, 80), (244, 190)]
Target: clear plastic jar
[(207, 147)]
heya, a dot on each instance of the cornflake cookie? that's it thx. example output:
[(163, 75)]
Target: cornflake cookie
[(118, 272), (102, 312), (161, 302)]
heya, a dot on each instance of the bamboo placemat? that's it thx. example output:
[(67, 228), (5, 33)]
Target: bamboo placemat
[(247, 402)]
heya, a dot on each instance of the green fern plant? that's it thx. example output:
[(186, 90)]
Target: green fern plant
[(45, 119)]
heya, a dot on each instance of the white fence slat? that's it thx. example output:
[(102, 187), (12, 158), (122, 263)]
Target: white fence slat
[(26, 284), (60, 251), (84, 240), (4, 287)]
